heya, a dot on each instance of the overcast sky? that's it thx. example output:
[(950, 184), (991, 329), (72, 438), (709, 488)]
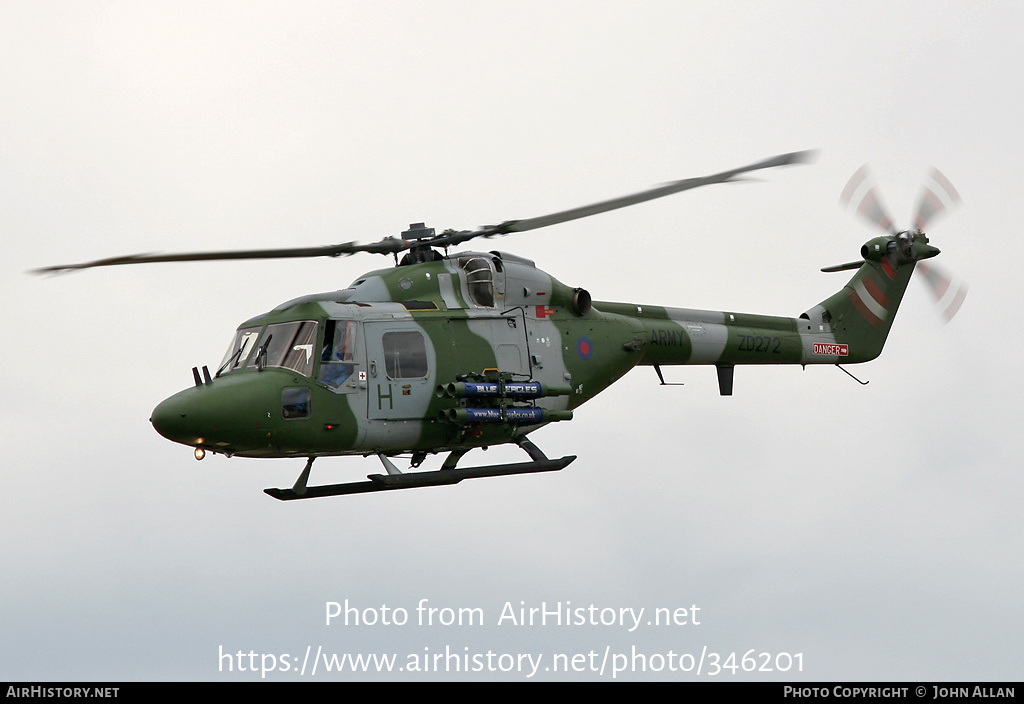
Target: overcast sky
[(874, 529)]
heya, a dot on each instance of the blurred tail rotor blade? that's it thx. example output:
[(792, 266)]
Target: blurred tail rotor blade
[(938, 196), (949, 293), (862, 194)]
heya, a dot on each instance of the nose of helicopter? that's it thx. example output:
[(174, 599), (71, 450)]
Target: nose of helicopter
[(177, 418), (256, 414), (235, 414), (224, 415)]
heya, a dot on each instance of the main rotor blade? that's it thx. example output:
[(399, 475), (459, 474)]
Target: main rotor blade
[(667, 189), (335, 250), (393, 245)]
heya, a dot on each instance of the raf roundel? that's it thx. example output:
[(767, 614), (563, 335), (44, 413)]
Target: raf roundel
[(584, 347)]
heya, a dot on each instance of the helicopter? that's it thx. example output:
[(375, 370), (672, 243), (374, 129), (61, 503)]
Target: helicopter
[(450, 352)]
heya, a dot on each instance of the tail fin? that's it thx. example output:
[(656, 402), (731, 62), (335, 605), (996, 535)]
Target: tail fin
[(861, 314)]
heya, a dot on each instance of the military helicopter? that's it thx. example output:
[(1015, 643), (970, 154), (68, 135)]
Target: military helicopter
[(448, 352)]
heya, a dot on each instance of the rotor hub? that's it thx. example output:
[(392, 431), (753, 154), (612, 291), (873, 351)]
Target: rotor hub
[(418, 231)]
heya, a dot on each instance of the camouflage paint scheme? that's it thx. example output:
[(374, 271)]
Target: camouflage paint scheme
[(495, 311)]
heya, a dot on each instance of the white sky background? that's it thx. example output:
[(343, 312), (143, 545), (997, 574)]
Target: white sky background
[(874, 529)]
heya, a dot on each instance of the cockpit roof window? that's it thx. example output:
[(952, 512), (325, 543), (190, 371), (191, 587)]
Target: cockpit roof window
[(480, 280)]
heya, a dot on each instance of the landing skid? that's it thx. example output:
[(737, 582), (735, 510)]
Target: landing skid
[(441, 477)]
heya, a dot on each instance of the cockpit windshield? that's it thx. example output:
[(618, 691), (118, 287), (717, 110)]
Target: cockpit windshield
[(287, 345), (237, 354)]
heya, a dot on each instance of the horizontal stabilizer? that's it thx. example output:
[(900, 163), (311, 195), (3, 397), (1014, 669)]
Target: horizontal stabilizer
[(843, 267)]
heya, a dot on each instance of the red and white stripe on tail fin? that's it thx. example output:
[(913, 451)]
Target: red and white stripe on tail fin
[(869, 299)]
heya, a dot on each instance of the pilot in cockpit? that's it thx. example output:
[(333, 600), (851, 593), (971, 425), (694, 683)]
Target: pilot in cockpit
[(336, 358)]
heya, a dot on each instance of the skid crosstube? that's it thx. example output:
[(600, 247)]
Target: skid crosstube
[(441, 477)]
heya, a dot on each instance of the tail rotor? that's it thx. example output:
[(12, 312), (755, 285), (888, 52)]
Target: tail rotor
[(938, 197), (949, 293), (862, 191)]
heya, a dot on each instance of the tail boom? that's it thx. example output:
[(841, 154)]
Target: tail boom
[(849, 327)]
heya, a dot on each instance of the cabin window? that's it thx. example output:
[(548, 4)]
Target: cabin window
[(338, 354), (405, 354), (287, 345)]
